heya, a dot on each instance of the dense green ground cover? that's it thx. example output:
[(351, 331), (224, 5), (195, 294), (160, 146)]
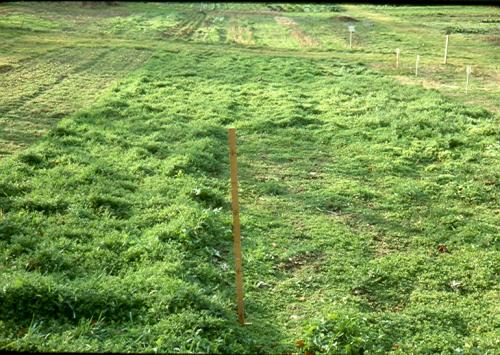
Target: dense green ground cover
[(369, 209), (52, 54)]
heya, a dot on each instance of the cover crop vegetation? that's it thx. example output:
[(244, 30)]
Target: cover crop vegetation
[(369, 208)]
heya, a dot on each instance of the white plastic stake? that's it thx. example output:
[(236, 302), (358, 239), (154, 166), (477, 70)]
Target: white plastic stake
[(397, 58), (446, 49), (416, 65), (469, 72), (351, 30)]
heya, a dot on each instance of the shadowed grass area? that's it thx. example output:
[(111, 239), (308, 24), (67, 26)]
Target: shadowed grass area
[(369, 209)]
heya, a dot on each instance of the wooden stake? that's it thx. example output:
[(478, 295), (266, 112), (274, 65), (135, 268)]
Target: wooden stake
[(397, 58), (236, 224), (416, 65), (468, 71), (446, 49)]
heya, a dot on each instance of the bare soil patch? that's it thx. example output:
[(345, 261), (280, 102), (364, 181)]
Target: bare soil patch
[(298, 261), (248, 12), (5, 68), (344, 19), (285, 21), (495, 40)]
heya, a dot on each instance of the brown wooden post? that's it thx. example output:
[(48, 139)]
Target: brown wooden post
[(236, 224)]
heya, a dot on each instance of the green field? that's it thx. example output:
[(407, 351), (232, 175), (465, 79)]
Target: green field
[(369, 197)]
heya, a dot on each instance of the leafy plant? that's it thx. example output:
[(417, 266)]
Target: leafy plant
[(337, 333)]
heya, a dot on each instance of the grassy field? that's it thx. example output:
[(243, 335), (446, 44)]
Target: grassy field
[(369, 198)]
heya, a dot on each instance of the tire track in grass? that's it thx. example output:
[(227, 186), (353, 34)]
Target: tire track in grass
[(24, 101), (101, 71), (35, 77), (28, 116)]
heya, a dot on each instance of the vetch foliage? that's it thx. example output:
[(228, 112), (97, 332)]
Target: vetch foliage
[(369, 209)]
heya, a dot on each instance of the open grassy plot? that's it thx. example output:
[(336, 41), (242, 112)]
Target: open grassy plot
[(369, 207)]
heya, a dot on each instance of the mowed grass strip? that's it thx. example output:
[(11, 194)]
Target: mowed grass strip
[(57, 58), (44, 89), (369, 215)]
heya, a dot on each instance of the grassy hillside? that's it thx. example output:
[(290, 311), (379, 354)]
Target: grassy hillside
[(369, 208)]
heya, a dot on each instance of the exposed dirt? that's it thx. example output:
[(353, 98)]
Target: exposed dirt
[(299, 261), (344, 19), (285, 21), (98, 4), (247, 12), (493, 39), (5, 68)]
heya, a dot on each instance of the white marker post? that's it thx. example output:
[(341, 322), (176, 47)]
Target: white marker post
[(416, 65), (446, 49), (351, 30), (397, 58), (468, 71)]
